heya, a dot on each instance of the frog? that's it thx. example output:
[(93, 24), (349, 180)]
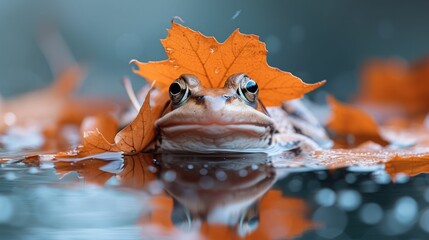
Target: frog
[(233, 118)]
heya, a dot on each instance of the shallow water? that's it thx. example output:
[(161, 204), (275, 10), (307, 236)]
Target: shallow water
[(207, 197)]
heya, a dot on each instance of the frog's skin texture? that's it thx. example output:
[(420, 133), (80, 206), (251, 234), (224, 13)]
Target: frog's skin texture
[(231, 119)]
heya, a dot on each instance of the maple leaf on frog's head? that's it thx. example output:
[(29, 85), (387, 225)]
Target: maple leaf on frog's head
[(190, 52)]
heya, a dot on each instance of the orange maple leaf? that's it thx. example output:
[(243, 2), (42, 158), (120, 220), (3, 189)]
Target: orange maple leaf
[(350, 121), (190, 52)]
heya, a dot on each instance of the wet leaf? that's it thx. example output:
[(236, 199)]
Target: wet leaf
[(190, 52), (94, 142), (140, 132), (409, 165), (352, 126), (103, 123)]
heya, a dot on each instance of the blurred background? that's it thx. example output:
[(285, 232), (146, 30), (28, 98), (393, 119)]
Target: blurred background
[(314, 40)]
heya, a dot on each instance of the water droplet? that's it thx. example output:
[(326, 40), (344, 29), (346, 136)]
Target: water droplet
[(381, 177), (155, 187), (401, 178), (213, 49), (190, 166), (152, 169), (33, 170), (169, 50), (206, 182), (405, 210), (350, 178), (242, 173), (424, 220), (254, 167), (176, 67), (169, 176), (9, 118), (295, 185), (349, 200), (217, 70), (6, 209), (10, 176), (371, 213), (172, 60), (221, 175), (325, 197), (203, 171)]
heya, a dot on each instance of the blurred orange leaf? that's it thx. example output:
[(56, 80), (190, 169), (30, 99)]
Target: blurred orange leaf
[(43, 107), (350, 121), (395, 83), (190, 52)]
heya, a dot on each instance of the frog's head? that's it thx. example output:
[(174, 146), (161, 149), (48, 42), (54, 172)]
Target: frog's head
[(201, 119)]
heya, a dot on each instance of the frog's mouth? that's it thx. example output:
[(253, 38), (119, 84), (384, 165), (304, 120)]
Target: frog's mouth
[(238, 137), (216, 130)]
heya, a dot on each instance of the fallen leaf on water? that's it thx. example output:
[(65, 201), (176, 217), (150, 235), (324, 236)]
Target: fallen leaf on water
[(190, 52), (410, 165), (352, 126), (43, 107)]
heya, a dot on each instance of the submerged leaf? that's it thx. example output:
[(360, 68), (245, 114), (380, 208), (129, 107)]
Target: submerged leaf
[(190, 52)]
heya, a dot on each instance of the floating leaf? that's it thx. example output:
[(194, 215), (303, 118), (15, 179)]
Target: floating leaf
[(347, 121), (409, 165)]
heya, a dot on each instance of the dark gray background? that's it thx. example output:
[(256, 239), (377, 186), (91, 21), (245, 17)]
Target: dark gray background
[(315, 40)]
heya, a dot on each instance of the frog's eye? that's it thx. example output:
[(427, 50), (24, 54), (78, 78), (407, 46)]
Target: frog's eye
[(248, 89), (179, 91)]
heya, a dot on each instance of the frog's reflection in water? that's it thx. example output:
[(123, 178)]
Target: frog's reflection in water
[(213, 196), (216, 189)]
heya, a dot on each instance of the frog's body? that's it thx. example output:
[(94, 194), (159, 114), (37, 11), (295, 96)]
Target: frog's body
[(228, 119)]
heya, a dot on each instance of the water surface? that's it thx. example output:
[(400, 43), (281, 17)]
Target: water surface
[(230, 196)]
